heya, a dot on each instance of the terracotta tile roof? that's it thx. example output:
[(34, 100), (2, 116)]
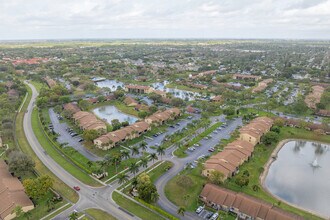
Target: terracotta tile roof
[(130, 101), (71, 107), (314, 97), (11, 192), (247, 205), (262, 85), (88, 121)]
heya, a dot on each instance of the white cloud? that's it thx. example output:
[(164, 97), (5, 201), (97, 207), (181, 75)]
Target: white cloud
[(21, 19)]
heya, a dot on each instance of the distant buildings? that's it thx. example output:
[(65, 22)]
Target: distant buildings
[(159, 118), (217, 98), (111, 139), (262, 85), (246, 207), (88, 121), (12, 194), (237, 152), (71, 107), (314, 97), (138, 89), (50, 82), (246, 77)]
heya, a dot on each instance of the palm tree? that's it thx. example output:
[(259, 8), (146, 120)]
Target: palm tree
[(161, 151), (144, 161), (181, 210), (73, 216), (116, 159), (144, 146), (125, 154), (122, 178), (50, 204), (185, 198), (89, 164), (153, 157), (134, 168), (135, 150)]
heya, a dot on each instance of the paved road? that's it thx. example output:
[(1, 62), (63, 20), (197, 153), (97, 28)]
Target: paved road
[(88, 196), (101, 197), (179, 164), (65, 137)]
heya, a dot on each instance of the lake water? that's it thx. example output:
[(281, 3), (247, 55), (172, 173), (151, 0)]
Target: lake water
[(183, 94), (110, 112), (111, 84), (301, 175)]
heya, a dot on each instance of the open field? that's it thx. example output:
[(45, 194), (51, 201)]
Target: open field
[(98, 214)]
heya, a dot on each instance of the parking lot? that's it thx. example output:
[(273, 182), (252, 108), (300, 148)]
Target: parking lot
[(62, 129)]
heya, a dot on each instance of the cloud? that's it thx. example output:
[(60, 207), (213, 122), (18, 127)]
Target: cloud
[(21, 19)]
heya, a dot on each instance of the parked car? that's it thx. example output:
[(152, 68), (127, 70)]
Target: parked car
[(77, 188), (171, 126), (199, 209), (80, 140), (214, 216), (211, 149), (208, 216), (178, 124)]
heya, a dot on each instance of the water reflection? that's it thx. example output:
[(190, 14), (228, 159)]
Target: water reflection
[(183, 94), (111, 84), (301, 176), (111, 112)]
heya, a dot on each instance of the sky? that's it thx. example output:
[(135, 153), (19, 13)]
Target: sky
[(240, 19)]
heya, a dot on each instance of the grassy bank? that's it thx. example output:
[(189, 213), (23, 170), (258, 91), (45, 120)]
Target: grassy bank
[(51, 151), (40, 168), (183, 195), (98, 214), (134, 208)]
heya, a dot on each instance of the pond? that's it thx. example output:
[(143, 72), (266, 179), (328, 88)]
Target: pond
[(111, 84), (183, 94), (300, 175), (110, 112)]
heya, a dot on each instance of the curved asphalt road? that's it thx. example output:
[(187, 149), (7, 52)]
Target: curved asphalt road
[(101, 198), (89, 197)]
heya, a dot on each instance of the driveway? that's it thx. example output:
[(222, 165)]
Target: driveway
[(65, 137)]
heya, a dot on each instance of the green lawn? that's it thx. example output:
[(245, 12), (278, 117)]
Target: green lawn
[(176, 193), (159, 171), (180, 152), (56, 155), (98, 214), (134, 208), (41, 208), (57, 212), (38, 85), (40, 168)]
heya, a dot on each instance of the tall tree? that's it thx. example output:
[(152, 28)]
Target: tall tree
[(135, 150), (161, 151), (144, 161), (20, 163), (181, 210), (153, 157), (134, 168), (122, 178)]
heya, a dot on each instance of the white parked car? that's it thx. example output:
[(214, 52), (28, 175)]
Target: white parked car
[(199, 209)]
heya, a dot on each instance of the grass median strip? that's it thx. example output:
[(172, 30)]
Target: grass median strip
[(51, 151), (99, 214), (134, 208), (40, 168)]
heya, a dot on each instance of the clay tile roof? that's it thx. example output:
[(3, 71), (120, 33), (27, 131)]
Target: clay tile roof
[(72, 107)]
